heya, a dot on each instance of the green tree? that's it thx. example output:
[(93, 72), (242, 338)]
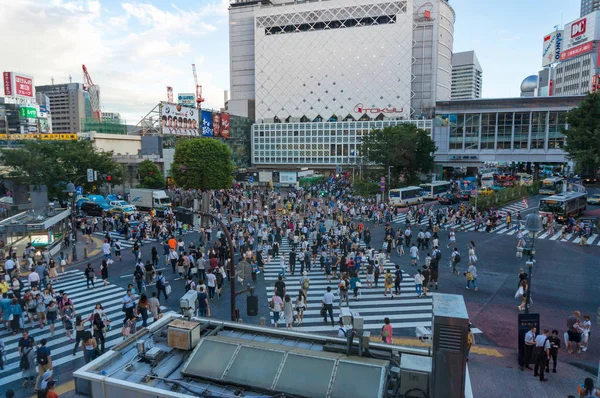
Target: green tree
[(406, 148), (202, 163), (583, 136), (149, 175), (55, 163)]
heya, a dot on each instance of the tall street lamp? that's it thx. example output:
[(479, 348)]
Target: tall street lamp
[(71, 191), (533, 224)]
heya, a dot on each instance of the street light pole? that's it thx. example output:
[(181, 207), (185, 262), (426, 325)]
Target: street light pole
[(533, 224)]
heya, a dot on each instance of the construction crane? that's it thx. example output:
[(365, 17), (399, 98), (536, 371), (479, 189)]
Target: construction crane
[(199, 99), (94, 93), (170, 94)]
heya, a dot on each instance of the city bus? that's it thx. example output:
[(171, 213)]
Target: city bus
[(487, 180), (436, 189), (563, 205), (552, 186), (406, 196)]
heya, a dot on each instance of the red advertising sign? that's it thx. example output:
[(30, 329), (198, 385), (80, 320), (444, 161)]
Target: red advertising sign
[(7, 84), (575, 51), (23, 86), (225, 126), (578, 27)]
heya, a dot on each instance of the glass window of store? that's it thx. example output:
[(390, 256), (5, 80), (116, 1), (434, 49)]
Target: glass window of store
[(472, 131), (538, 129), (457, 127), (557, 121), (488, 130), (522, 120), (505, 124)]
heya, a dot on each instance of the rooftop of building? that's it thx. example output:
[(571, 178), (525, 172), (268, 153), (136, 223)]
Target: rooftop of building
[(177, 357), (531, 103)]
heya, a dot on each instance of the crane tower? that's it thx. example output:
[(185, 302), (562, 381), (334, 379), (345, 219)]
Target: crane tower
[(199, 99), (94, 93)]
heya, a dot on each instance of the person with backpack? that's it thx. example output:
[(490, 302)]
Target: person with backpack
[(397, 280), (44, 361), (27, 362), (138, 278), (161, 285), (455, 260), (388, 283)]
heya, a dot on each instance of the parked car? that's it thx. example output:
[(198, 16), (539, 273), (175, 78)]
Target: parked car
[(448, 199), (486, 191), (594, 199)]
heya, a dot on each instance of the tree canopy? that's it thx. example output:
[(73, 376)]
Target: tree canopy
[(202, 163), (55, 163), (583, 136), (149, 175), (406, 148)]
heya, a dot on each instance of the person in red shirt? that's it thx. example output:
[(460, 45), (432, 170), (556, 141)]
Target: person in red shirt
[(50, 393)]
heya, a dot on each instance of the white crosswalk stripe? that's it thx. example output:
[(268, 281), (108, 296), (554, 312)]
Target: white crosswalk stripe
[(404, 311), (84, 299)]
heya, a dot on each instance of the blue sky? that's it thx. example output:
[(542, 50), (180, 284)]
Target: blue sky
[(135, 48), (507, 37)]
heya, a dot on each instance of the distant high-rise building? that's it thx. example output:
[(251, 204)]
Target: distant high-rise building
[(67, 104), (466, 76), (588, 6), (111, 116)]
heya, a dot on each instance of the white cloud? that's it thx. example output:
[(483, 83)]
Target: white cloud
[(133, 50)]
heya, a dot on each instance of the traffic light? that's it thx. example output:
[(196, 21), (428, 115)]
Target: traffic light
[(109, 178)]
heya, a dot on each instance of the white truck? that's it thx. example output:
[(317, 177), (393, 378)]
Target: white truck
[(148, 199)]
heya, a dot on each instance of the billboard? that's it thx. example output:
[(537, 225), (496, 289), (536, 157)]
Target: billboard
[(207, 124), (552, 46), (575, 51), (288, 177), (225, 126), (18, 85), (27, 112), (178, 119), (581, 31), (186, 99)]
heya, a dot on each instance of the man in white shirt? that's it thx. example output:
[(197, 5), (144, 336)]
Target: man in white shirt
[(414, 252), (328, 305), (34, 279), (106, 249), (542, 346), (529, 345), (9, 266), (342, 330)]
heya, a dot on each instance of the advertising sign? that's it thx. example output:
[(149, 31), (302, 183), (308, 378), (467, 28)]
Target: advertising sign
[(178, 119), (575, 51), (207, 124), (581, 31), (225, 126), (23, 85), (552, 46), (7, 83), (288, 177), (186, 99), (27, 112), (216, 123)]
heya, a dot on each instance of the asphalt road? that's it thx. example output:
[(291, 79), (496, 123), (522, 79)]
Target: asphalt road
[(565, 277)]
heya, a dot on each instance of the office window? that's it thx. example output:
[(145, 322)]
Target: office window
[(505, 122), (521, 129), (488, 130), (556, 123), (538, 130), (457, 125), (471, 131)]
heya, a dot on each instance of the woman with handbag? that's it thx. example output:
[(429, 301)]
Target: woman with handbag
[(355, 284), (387, 331), (522, 294), (276, 306)]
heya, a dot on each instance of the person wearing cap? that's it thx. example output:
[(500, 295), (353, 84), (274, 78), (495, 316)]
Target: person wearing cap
[(46, 380)]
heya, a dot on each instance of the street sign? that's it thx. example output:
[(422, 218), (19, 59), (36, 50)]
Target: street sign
[(90, 175), (79, 190), (251, 180)]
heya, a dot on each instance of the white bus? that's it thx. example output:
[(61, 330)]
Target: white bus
[(552, 186), (563, 205), (436, 189), (487, 180), (406, 196)]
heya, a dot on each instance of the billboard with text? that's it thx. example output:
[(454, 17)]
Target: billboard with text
[(581, 31), (552, 46), (225, 126), (18, 85), (178, 119), (207, 124)]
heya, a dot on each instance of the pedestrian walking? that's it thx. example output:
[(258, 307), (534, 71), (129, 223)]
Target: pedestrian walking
[(142, 309), (89, 275), (276, 306), (301, 306), (419, 283), (154, 306), (574, 331), (387, 331), (27, 362), (388, 283), (397, 280), (587, 332), (203, 306), (161, 285), (44, 362), (472, 255), (89, 346), (471, 277), (104, 271), (288, 311), (327, 306)]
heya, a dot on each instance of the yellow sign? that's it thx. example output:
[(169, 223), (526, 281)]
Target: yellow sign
[(43, 137)]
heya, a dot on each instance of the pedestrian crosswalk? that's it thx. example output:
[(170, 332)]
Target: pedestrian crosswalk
[(84, 299), (406, 310)]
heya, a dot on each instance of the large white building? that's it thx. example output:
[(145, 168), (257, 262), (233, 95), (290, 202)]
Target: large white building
[(298, 65), (467, 76)]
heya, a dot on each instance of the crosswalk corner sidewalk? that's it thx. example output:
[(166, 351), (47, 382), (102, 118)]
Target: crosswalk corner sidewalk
[(94, 249)]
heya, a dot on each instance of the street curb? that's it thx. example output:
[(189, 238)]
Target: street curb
[(588, 368)]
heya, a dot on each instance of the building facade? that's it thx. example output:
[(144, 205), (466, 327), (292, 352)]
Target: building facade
[(469, 133), (317, 144), (68, 105), (588, 6), (467, 76), (329, 60)]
